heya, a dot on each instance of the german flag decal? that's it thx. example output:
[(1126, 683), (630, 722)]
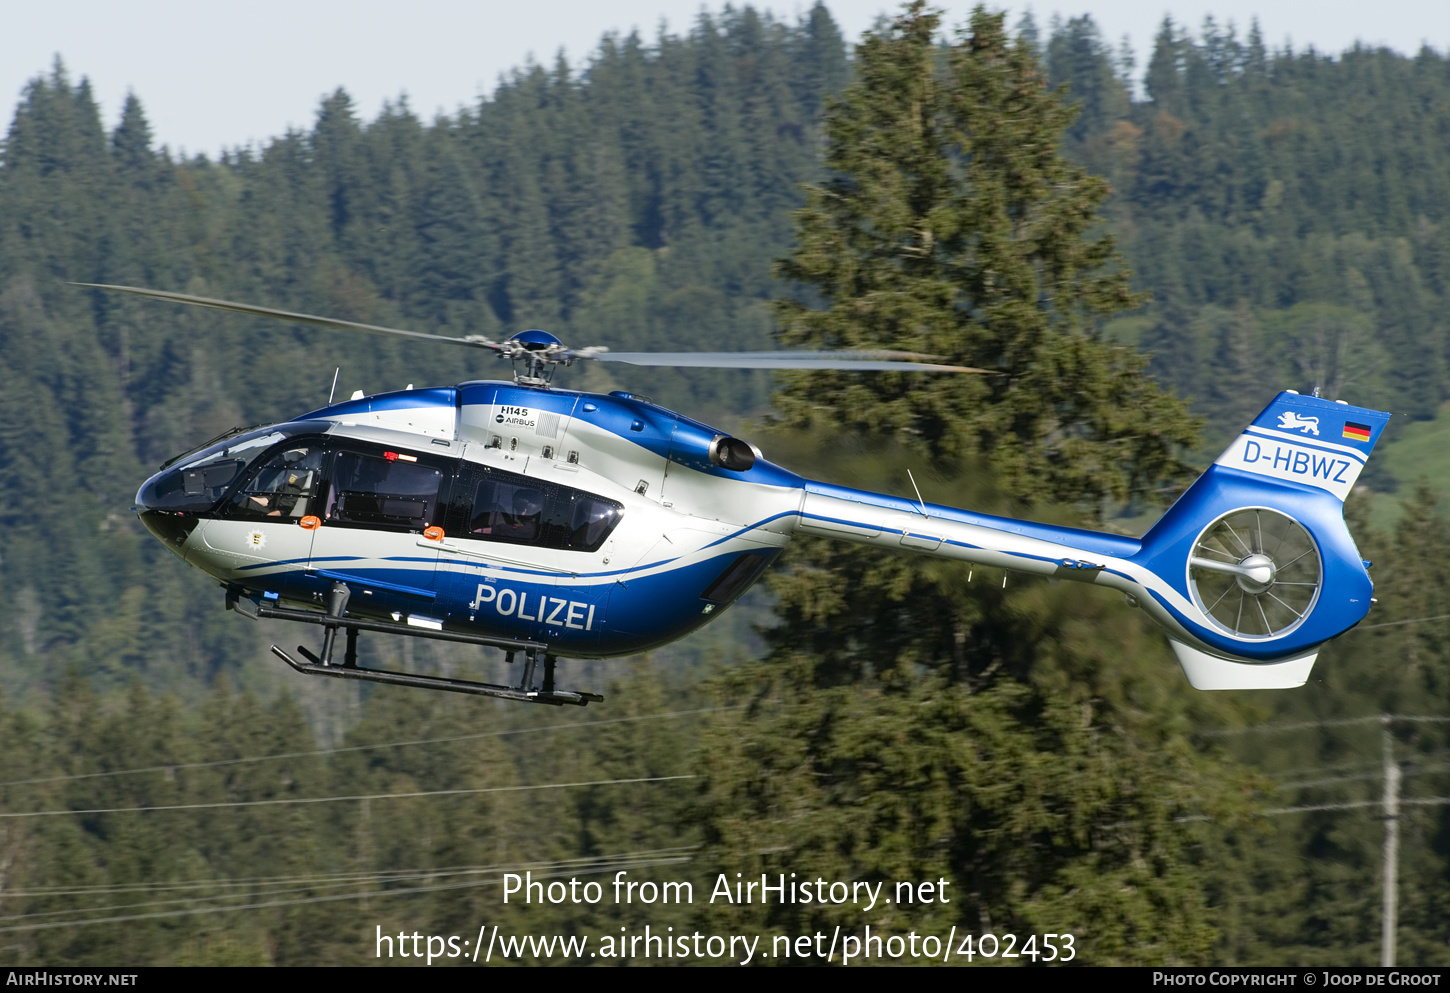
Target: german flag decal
[(1356, 432)]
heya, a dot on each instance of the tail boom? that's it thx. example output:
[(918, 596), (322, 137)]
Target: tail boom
[(1249, 572)]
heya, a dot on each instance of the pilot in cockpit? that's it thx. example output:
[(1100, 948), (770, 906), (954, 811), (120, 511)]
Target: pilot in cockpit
[(282, 488)]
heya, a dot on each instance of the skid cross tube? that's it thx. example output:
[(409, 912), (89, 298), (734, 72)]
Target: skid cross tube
[(349, 669), (555, 698)]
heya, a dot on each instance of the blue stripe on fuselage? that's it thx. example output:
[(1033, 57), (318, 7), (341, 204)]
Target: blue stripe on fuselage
[(626, 616), (1119, 546), (617, 415)]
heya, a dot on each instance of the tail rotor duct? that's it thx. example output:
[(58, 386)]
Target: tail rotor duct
[(1256, 573)]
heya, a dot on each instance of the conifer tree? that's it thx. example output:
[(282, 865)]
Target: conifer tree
[(952, 225), (1078, 58), (908, 723)]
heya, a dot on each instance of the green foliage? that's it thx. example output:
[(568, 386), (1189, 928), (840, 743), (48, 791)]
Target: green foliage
[(953, 226), (1276, 179), (246, 868), (1416, 457), (919, 720), (635, 205), (1306, 886)]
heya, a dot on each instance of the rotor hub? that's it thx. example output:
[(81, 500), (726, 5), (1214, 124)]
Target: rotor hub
[(537, 341), (1259, 573), (535, 354)]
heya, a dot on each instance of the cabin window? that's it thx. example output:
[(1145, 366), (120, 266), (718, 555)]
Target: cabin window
[(529, 512), (377, 490), (593, 519), (506, 511)]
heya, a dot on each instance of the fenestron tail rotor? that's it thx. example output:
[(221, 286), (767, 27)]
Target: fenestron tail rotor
[(1256, 573), (541, 352)]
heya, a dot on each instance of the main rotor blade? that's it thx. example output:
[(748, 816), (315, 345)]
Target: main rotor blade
[(287, 315), (771, 360), (853, 354)]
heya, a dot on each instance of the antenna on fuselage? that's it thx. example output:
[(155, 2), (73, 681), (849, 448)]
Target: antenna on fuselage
[(918, 494), (333, 392)]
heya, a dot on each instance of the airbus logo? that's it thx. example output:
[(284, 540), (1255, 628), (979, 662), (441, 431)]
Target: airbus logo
[(520, 416)]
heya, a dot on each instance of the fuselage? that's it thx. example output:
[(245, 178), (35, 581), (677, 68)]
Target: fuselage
[(606, 525), (596, 524)]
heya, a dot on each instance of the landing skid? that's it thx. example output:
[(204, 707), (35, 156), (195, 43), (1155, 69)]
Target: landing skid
[(336, 618)]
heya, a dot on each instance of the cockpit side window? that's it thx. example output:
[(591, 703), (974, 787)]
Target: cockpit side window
[(284, 485), (591, 521)]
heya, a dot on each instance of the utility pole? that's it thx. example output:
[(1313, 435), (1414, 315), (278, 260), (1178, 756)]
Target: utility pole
[(1391, 857)]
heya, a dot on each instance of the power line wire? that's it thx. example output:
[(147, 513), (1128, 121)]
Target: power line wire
[(280, 801), (597, 864), (359, 748), (1298, 726), (1408, 767), (1307, 783), (332, 877), (1330, 722), (331, 898), (1431, 801), (1412, 620)]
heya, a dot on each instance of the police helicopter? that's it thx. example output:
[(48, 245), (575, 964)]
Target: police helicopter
[(549, 522)]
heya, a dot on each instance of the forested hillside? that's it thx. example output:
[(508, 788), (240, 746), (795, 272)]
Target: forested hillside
[(1285, 215), (1286, 209), (637, 207)]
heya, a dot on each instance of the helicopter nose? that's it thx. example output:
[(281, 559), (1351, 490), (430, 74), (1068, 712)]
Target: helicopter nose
[(172, 529), (193, 489), (167, 506)]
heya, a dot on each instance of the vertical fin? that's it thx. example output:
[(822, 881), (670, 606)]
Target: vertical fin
[(1301, 439)]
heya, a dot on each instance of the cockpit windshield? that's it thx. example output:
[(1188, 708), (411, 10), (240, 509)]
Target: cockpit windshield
[(195, 485)]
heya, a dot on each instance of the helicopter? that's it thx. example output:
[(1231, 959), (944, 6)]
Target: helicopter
[(548, 522)]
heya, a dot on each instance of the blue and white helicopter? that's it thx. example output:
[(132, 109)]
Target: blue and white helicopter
[(550, 522)]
